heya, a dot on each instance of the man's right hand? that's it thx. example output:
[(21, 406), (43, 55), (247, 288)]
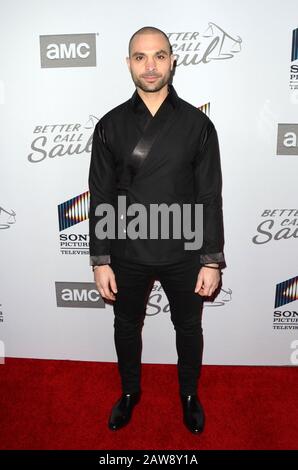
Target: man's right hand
[(104, 278)]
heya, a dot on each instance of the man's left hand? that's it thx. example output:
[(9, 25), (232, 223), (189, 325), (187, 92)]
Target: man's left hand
[(208, 281)]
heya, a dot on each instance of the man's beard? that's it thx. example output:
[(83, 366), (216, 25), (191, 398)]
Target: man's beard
[(151, 87)]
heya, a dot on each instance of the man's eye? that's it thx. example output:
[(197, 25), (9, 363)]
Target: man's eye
[(139, 57), (161, 56)]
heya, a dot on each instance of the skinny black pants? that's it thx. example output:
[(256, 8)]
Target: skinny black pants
[(134, 283)]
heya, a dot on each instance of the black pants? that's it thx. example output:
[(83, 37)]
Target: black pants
[(134, 283)]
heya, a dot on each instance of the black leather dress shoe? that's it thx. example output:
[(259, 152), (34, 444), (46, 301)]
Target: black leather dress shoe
[(193, 413), (122, 410)]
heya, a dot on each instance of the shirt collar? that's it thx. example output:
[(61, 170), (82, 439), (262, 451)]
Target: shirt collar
[(138, 104)]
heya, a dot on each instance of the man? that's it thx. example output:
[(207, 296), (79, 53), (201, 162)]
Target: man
[(156, 149)]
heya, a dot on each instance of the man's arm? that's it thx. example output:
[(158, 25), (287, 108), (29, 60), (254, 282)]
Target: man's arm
[(102, 189), (208, 187)]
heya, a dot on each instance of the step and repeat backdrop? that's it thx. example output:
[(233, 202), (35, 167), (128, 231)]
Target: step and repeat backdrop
[(62, 67)]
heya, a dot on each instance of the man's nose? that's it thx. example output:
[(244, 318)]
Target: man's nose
[(150, 64)]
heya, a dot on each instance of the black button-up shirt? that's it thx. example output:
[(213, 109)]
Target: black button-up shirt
[(171, 157)]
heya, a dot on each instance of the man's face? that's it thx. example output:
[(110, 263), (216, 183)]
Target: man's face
[(150, 62)]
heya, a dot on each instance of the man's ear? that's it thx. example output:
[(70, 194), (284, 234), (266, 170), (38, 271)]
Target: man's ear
[(172, 61), (128, 62)]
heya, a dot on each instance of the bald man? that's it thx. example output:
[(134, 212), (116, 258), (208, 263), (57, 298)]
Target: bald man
[(155, 149)]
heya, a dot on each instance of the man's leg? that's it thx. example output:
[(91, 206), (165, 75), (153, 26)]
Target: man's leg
[(178, 282), (133, 283)]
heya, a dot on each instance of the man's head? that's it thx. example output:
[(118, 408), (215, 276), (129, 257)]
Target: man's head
[(150, 59)]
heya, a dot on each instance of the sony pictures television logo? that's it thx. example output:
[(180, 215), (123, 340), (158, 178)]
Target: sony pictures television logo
[(71, 213), (286, 292), (68, 50), (294, 61)]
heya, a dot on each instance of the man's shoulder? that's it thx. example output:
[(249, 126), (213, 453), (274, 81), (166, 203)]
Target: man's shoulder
[(115, 113), (195, 113)]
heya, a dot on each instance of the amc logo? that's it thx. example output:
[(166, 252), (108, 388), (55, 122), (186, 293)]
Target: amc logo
[(78, 295), (287, 139), (68, 50)]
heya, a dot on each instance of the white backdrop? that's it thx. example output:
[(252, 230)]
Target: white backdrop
[(239, 62)]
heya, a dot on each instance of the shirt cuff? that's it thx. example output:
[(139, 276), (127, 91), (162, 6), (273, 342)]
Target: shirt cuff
[(98, 260), (213, 258)]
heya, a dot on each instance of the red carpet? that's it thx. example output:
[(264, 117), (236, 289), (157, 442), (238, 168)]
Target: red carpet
[(65, 405)]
